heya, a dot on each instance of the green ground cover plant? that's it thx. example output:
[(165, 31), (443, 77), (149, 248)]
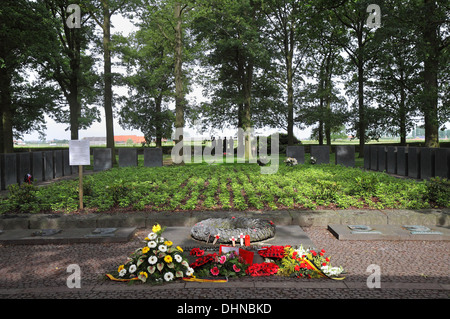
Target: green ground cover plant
[(232, 187)]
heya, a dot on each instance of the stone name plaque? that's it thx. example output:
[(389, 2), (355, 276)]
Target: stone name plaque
[(102, 232)]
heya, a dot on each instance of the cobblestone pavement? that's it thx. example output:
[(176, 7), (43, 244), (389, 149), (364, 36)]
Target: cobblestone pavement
[(409, 270)]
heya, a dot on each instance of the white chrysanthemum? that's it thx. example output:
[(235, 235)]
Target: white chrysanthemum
[(152, 260), (162, 248), (151, 244), (189, 271), (122, 272), (132, 268), (178, 258), (161, 239), (168, 276), (152, 236)]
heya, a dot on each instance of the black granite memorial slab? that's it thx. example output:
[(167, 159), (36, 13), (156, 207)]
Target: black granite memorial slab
[(414, 162), (102, 159), (153, 157), (58, 163), (402, 160), (48, 165), (128, 157), (427, 162), (374, 158), (67, 171), (297, 152), (367, 159), (321, 154), (442, 163), (9, 170), (391, 164), (345, 155), (382, 158), (37, 166), (23, 166)]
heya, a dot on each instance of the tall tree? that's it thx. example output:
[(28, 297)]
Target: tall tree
[(102, 11), (287, 29), (148, 55), (353, 17), (237, 55), (68, 64), (22, 104), (434, 25)]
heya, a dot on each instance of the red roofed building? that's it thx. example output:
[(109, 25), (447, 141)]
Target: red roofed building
[(123, 139)]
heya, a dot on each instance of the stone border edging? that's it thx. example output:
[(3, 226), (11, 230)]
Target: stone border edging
[(321, 218)]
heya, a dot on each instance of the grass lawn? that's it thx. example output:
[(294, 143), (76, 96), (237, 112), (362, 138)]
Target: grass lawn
[(227, 187)]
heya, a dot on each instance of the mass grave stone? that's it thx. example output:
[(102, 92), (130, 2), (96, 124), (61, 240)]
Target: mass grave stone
[(153, 157), (321, 154), (414, 162), (66, 165), (58, 163), (23, 165), (345, 155), (427, 162), (297, 152), (374, 158), (102, 159), (48, 165), (367, 158), (128, 157), (37, 166), (391, 165), (402, 160), (442, 163), (9, 170), (382, 158)]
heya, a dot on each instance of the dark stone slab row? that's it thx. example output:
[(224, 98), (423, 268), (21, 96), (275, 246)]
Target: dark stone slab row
[(414, 162)]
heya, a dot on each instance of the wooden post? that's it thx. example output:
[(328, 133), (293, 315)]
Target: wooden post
[(80, 188)]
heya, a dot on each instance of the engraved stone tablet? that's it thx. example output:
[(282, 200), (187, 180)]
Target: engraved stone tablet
[(102, 232), (362, 229), (420, 230), (45, 232)]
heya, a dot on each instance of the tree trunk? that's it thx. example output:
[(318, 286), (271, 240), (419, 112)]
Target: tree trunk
[(107, 77), (361, 108), (179, 90), (290, 88), (430, 75), (7, 142), (158, 102)]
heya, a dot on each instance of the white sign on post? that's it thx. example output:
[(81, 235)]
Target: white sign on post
[(79, 152)]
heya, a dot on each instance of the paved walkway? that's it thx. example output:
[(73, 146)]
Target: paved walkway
[(409, 269)]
